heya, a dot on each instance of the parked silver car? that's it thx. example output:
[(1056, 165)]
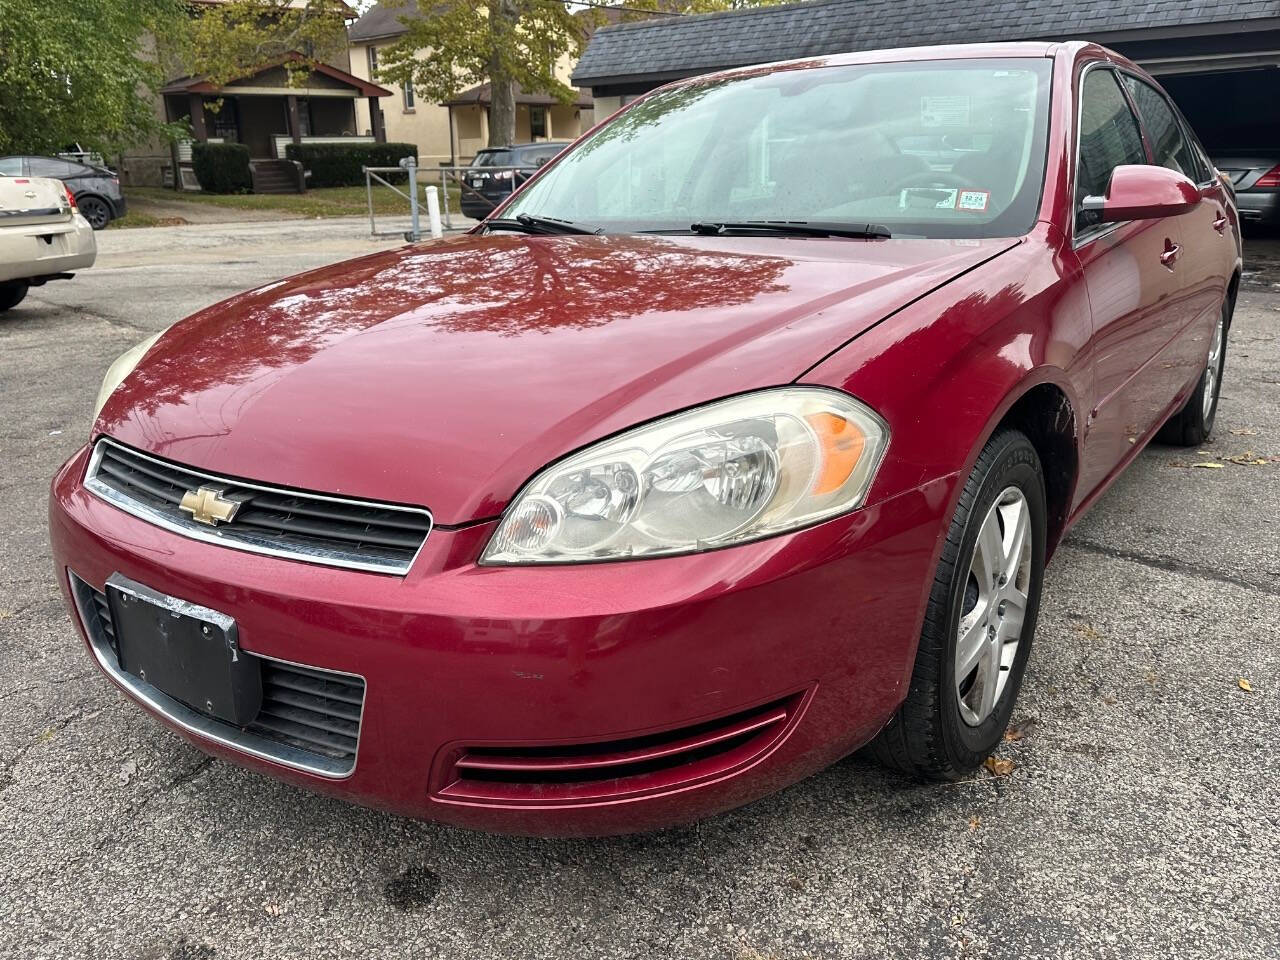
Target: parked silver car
[(1255, 177)]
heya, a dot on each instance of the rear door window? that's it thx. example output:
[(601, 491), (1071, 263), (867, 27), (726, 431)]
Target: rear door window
[(1109, 138), (1170, 146), (50, 167), (492, 158)]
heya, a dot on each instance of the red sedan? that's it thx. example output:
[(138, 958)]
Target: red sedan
[(736, 440)]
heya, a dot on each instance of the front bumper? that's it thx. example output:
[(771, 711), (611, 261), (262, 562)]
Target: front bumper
[(818, 629)]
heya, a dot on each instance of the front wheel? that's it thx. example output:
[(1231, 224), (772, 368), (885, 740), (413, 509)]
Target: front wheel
[(1192, 425), (12, 293), (980, 619)]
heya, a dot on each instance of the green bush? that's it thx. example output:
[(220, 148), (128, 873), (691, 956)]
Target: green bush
[(222, 167), (339, 164)]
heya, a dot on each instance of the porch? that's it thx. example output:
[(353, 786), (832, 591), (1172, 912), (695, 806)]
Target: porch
[(538, 117), (265, 113)]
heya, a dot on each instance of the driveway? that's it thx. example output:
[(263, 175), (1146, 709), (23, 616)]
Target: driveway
[(1141, 817)]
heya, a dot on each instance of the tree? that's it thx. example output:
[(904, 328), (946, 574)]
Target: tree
[(224, 41), (79, 73), (460, 43)]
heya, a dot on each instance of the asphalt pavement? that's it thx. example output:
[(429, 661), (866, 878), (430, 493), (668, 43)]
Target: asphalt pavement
[(1141, 817)]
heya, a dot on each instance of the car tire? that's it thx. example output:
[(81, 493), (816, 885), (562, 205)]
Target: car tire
[(955, 713), (12, 294), (95, 210), (1192, 425)]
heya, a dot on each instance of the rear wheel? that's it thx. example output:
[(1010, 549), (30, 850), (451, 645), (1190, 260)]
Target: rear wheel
[(12, 293), (979, 622), (1191, 425), (95, 210)]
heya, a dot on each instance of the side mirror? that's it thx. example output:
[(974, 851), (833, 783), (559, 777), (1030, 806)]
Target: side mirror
[(1141, 192)]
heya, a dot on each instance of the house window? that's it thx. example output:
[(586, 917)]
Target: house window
[(407, 89), (537, 122), (373, 60)]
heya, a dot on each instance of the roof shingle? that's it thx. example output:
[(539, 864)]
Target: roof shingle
[(681, 46)]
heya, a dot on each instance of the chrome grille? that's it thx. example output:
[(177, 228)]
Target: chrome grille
[(294, 524), (309, 720)]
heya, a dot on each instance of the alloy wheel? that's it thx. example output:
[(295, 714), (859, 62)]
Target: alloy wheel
[(994, 606), (1213, 369)]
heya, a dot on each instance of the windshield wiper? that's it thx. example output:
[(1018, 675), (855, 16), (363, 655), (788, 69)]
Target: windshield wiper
[(549, 226), (802, 228)]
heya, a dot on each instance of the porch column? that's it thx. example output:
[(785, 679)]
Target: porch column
[(375, 121), (293, 118), (546, 113), (198, 129)]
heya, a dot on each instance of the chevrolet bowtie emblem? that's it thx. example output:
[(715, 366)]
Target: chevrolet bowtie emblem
[(208, 506)]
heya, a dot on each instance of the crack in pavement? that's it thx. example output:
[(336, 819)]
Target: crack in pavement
[(8, 766), (1170, 565)]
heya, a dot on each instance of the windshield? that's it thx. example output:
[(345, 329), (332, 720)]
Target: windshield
[(946, 148)]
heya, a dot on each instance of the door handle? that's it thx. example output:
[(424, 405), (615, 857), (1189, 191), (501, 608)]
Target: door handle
[(1221, 223), (1171, 251)]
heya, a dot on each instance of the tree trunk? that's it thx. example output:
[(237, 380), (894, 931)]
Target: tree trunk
[(502, 97)]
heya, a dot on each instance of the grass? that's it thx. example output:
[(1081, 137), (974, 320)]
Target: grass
[(322, 202)]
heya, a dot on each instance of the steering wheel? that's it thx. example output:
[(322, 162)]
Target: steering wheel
[(943, 179)]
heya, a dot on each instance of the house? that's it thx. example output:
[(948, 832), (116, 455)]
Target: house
[(259, 109), (452, 132), (1218, 59)]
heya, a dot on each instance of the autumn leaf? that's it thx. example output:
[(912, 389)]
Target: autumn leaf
[(1019, 730), (974, 824), (1243, 432), (1245, 685), (998, 766), (1208, 466)]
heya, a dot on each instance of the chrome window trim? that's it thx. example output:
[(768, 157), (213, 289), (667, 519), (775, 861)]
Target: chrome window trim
[(194, 531), (223, 734)]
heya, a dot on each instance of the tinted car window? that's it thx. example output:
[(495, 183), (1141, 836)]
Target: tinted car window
[(540, 155), (10, 166), (49, 167), (1167, 142), (1109, 138), (492, 158), (843, 143)]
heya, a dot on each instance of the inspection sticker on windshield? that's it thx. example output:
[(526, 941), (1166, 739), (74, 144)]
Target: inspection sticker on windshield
[(944, 111), (928, 198), (976, 200)]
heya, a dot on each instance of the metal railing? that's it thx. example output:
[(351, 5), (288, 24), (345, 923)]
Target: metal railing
[(470, 183), (408, 165)]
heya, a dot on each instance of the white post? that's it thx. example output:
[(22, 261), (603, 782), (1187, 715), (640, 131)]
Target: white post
[(433, 212)]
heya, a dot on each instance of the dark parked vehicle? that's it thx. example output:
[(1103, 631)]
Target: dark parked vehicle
[(1255, 177), (96, 189), (483, 189)]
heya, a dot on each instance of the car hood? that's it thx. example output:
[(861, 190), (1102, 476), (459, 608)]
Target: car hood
[(446, 374)]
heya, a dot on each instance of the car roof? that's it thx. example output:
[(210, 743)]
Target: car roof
[(526, 146)]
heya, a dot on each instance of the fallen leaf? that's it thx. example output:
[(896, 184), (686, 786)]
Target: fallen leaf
[(1088, 632), (974, 824), (1208, 466), (1245, 685), (272, 909), (1017, 731), (1243, 432), (127, 770), (998, 766)]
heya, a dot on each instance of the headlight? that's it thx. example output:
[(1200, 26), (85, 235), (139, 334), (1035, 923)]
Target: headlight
[(121, 368), (725, 473)]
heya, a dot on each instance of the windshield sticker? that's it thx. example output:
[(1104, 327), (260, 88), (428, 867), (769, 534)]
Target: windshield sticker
[(944, 111), (927, 198), (975, 200)]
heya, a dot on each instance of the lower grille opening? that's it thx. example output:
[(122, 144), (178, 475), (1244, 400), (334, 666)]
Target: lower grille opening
[(611, 769), (309, 719)]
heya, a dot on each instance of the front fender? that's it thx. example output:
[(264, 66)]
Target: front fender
[(945, 370)]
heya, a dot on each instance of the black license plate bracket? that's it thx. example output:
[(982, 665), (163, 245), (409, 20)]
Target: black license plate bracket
[(185, 651)]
